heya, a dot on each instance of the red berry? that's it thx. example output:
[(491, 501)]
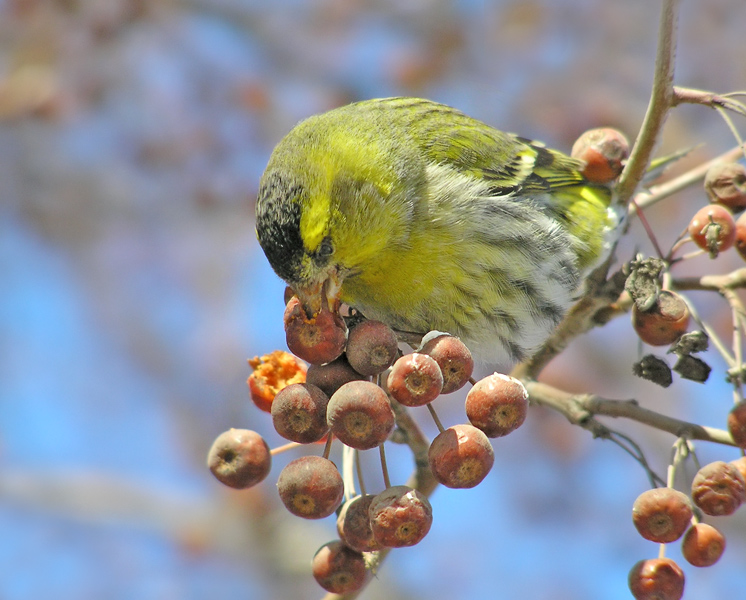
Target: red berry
[(332, 376), (310, 487), (662, 514), (718, 489), (372, 347), (604, 152), (741, 236), (725, 183), (339, 569), (400, 516), (703, 545), (353, 524), (740, 465), (415, 380), (299, 413), (665, 322), (497, 405), (713, 229), (737, 423), (239, 458), (656, 579), (272, 372), (461, 456), (454, 359), (360, 415), (319, 339)]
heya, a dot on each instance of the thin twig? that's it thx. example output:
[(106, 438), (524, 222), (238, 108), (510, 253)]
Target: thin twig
[(660, 103)]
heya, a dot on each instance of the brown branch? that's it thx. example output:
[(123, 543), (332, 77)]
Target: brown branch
[(716, 283), (582, 409), (683, 95), (660, 103), (659, 192)]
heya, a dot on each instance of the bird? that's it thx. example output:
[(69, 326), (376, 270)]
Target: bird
[(419, 216)]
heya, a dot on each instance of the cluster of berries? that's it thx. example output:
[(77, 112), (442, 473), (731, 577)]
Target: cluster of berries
[(355, 381), (664, 515)]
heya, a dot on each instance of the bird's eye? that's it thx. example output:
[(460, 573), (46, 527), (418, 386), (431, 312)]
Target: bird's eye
[(326, 249)]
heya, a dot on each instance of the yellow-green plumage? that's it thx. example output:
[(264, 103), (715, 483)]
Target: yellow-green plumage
[(432, 220)]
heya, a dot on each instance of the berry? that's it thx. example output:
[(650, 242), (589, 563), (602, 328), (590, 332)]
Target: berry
[(497, 405), (239, 458), (310, 487), (665, 322), (713, 229), (400, 516), (461, 456), (332, 376), (741, 236), (661, 514), (319, 339), (299, 413), (339, 569), (454, 359), (718, 488), (740, 465), (272, 372), (353, 524), (415, 380), (360, 415), (737, 424), (656, 579), (725, 183), (604, 151), (372, 347), (703, 545)]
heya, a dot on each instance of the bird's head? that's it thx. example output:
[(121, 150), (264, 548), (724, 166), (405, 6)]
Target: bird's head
[(293, 226)]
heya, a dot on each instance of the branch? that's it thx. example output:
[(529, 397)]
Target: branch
[(582, 409), (657, 193), (660, 103)]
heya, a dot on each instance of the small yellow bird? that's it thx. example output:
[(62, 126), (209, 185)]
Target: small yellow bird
[(426, 219)]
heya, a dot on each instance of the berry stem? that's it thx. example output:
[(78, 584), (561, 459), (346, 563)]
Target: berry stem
[(438, 424), (328, 445), (348, 471), (283, 448), (384, 466), (662, 551), (359, 469)]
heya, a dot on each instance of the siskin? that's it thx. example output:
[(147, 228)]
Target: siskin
[(426, 219)]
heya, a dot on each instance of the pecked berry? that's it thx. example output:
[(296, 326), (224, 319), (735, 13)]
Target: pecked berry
[(271, 373), (319, 339), (400, 516)]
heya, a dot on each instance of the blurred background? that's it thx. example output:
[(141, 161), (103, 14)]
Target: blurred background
[(133, 134)]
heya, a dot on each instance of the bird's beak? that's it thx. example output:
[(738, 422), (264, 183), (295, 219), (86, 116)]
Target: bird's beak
[(320, 295)]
